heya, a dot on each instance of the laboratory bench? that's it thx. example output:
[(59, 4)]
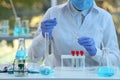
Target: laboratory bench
[(62, 74)]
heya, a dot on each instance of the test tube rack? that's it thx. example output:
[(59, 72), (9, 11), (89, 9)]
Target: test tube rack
[(77, 60)]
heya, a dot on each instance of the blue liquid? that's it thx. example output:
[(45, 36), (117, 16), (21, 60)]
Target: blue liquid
[(46, 71), (21, 55), (10, 71), (17, 31), (106, 72), (25, 30)]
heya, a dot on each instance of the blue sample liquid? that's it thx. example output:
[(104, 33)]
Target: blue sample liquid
[(10, 71), (106, 72), (17, 31), (46, 71), (21, 55)]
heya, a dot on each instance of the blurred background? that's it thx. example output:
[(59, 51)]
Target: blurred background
[(30, 13)]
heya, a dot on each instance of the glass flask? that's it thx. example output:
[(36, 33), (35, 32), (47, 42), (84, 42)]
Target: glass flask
[(106, 69), (20, 62), (46, 69), (5, 25), (25, 27), (17, 27)]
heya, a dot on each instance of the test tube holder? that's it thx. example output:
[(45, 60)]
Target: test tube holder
[(63, 57)]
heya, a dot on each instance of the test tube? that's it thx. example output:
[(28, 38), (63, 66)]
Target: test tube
[(81, 52), (82, 60), (106, 57), (77, 59), (46, 47), (73, 60)]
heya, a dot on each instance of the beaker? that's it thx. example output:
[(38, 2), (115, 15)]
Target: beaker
[(106, 68)]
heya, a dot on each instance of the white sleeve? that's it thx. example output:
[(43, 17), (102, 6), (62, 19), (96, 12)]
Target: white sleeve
[(110, 41), (37, 48)]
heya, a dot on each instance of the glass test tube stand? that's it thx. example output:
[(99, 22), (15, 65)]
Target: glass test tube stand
[(79, 61)]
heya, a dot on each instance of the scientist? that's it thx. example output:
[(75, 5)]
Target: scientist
[(76, 25)]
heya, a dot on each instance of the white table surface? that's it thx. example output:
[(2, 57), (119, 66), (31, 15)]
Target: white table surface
[(62, 74)]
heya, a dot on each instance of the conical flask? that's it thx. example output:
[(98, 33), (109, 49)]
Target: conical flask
[(45, 68), (19, 66), (106, 69)]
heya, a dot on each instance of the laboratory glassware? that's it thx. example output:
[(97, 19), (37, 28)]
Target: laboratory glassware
[(77, 59), (47, 42), (20, 62), (17, 27), (46, 69), (5, 27), (25, 27), (0, 27), (106, 68), (73, 59), (82, 60)]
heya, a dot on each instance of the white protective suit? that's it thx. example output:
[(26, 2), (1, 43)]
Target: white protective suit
[(95, 23)]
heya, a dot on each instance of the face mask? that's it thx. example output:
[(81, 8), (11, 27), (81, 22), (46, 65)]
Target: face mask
[(82, 4)]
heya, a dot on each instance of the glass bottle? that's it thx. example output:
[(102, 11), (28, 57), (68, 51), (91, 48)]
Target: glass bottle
[(0, 27), (46, 69), (25, 27), (106, 68), (5, 25), (20, 60), (17, 27)]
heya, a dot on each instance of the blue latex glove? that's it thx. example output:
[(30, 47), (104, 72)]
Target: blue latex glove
[(47, 26), (88, 44)]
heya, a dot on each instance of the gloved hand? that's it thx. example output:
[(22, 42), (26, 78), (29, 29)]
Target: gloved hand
[(88, 44), (47, 26)]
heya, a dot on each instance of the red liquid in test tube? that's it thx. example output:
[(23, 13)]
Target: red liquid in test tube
[(81, 52), (82, 61), (73, 53), (73, 60), (77, 53)]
